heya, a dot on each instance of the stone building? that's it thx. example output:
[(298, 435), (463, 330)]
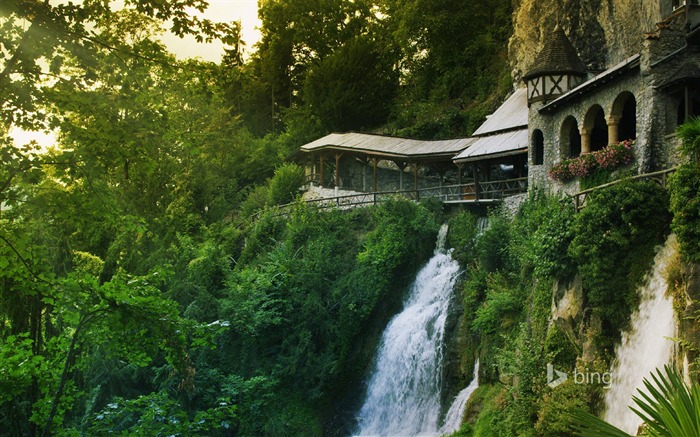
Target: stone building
[(566, 108), (573, 111)]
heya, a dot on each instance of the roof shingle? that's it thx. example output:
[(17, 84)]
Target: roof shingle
[(557, 56)]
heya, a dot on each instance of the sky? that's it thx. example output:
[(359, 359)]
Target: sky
[(219, 10), (223, 11)]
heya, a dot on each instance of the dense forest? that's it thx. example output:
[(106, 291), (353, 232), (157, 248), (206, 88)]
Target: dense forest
[(144, 286)]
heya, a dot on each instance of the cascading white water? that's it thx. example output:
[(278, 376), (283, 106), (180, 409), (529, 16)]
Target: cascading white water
[(403, 395), (453, 418), (645, 347)]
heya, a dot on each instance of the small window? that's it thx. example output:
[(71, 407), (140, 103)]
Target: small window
[(537, 147)]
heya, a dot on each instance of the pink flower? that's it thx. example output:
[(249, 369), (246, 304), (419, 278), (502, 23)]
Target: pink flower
[(608, 158)]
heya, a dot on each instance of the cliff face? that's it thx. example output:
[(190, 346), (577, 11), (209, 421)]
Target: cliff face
[(604, 32)]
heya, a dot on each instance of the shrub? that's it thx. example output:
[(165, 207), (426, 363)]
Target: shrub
[(492, 246), (684, 187), (462, 236), (614, 242), (284, 185), (255, 200), (543, 232)]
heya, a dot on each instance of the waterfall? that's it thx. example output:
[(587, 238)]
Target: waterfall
[(453, 419), (403, 394), (482, 224), (645, 347)]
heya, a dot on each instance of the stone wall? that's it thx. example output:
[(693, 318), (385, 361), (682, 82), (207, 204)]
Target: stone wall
[(656, 114)]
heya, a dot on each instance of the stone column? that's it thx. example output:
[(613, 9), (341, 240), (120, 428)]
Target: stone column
[(613, 128), (585, 141)]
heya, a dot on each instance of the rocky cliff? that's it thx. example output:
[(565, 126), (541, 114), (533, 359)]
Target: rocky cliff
[(604, 32)]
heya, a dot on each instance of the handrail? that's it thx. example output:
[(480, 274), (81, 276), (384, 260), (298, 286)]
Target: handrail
[(580, 197), (483, 190)]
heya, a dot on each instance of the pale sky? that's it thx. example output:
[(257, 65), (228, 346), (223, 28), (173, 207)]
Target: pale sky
[(222, 11), (219, 10)]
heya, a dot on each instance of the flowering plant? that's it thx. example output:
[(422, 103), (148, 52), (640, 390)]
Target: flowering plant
[(608, 158)]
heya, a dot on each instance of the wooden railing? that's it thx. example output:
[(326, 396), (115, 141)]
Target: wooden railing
[(661, 177), (470, 192)]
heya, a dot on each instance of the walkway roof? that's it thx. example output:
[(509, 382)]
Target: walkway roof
[(503, 133), (389, 147), (508, 143), (512, 114)]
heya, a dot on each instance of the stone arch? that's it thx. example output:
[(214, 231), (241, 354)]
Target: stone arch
[(570, 138), (622, 123), (594, 135), (537, 147)]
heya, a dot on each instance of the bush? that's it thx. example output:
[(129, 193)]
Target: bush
[(285, 184), (491, 250), (256, 200), (462, 237), (684, 187), (543, 232), (615, 236)]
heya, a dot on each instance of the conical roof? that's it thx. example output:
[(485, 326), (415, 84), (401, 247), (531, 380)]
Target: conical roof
[(557, 56)]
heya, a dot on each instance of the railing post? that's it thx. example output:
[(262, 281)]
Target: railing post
[(374, 198)]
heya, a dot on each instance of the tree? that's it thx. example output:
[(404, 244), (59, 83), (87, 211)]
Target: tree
[(295, 35), (55, 31), (353, 87)]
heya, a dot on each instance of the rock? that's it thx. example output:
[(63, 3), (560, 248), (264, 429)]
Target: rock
[(604, 32)]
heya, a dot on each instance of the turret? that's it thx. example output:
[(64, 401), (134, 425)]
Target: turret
[(556, 71)]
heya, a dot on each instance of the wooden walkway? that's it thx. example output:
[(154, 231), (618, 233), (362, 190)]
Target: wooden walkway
[(481, 192), (661, 177)]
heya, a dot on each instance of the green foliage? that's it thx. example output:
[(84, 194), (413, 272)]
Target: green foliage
[(285, 184), (480, 412), (507, 296), (615, 236), (684, 187), (560, 349), (689, 133), (462, 236), (156, 414), (492, 245), (353, 87), (499, 313), (556, 406), (543, 232), (302, 294), (134, 292), (454, 64)]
